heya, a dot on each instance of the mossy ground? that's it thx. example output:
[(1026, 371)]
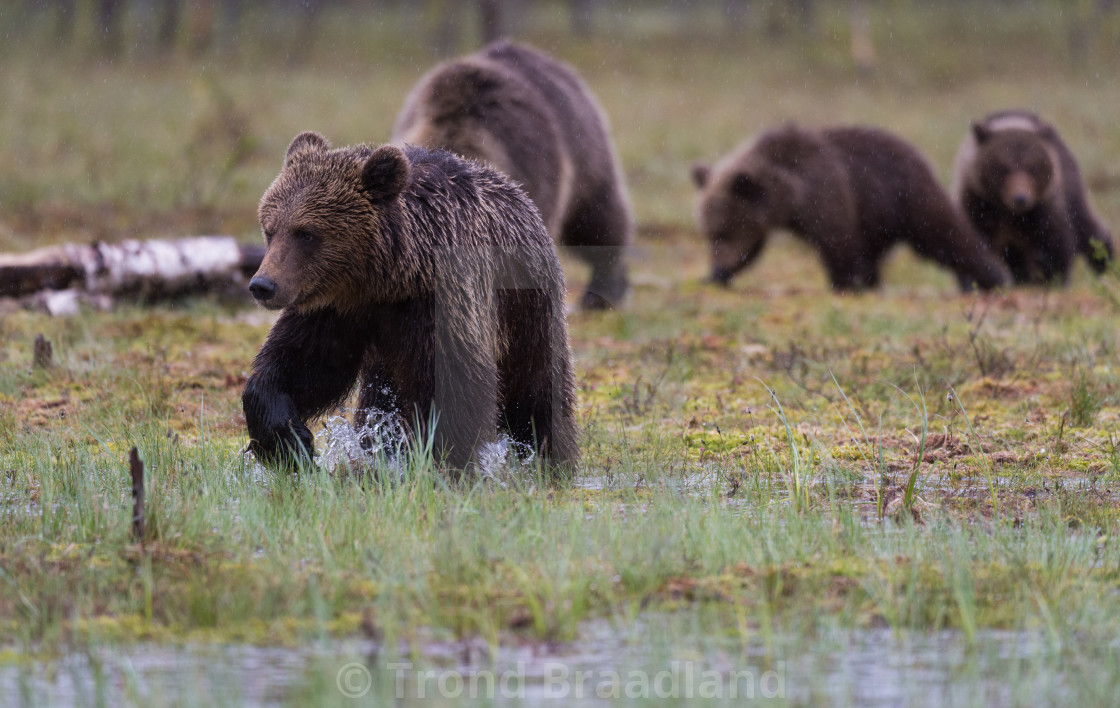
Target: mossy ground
[(747, 455)]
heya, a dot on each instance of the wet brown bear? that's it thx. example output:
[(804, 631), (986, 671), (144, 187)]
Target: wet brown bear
[(428, 277), (1020, 186), (851, 192), (534, 119)]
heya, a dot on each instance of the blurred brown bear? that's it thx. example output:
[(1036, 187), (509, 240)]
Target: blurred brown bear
[(1018, 183), (428, 277), (532, 117), (851, 192)]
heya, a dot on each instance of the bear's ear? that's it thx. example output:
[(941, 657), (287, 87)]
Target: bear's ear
[(747, 188), (385, 173), (981, 132), (700, 174), (307, 141)]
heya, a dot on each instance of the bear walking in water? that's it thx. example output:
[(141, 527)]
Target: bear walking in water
[(1020, 186), (851, 192), (531, 117), (429, 278)]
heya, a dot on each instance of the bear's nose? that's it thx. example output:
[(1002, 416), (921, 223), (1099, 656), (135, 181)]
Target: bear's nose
[(262, 287)]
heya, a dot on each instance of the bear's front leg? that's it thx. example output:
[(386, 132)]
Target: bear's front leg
[(1055, 244), (307, 364), (276, 430)]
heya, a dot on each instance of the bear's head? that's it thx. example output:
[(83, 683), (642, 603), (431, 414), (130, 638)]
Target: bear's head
[(738, 202), (323, 221), (1014, 167)]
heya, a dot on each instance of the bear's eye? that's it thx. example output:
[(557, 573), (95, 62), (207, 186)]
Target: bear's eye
[(267, 235), (303, 236)]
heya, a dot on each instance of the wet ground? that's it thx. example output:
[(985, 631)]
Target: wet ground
[(605, 666)]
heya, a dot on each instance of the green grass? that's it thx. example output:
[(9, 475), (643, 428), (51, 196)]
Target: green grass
[(772, 476)]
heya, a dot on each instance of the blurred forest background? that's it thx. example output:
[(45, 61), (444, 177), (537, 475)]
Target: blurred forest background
[(127, 118), (117, 27)]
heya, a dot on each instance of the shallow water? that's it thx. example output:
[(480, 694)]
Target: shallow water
[(340, 443), (643, 663), (381, 444)]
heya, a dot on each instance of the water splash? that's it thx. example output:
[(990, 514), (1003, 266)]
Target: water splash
[(255, 469), (504, 455), (377, 444), (381, 439), (382, 442)]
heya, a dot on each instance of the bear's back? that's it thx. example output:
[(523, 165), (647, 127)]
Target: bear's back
[(579, 118), (890, 180), (466, 207), (483, 109), (882, 167), (577, 114)]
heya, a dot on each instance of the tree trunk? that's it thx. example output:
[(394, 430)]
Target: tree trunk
[(735, 15), (581, 13), (806, 13), (170, 11), (448, 23), (229, 25), (109, 14), (202, 27), (150, 269), (1084, 28), (491, 17), (863, 47)]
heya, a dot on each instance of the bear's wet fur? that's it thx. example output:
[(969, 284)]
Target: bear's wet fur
[(431, 280), (534, 119), (1020, 186), (851, 192)]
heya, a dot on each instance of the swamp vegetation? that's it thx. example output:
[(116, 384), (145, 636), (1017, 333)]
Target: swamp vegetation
[(909, 496)]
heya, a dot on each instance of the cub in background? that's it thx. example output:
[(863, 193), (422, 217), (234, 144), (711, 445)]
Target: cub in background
[(1018, 183), (851, 192), (531, 117)]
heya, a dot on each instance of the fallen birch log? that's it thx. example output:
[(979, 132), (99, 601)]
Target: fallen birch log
[(148, 269)]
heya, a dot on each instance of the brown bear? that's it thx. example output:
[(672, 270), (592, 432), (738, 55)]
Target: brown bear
[(428, 277), (532, 117), (1018, 183), (851, 192)]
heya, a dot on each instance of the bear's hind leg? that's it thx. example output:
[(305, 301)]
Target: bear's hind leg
[(937, 231), (464, 400), (848, 270), (458, 397), (535, 378), (466, 404), (597, 233)]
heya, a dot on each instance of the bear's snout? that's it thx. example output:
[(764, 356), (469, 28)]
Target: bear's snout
[(262, 287), (1019, 192)]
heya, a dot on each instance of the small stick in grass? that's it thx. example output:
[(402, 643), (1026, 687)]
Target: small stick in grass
[(43, 354), (136, 467)]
